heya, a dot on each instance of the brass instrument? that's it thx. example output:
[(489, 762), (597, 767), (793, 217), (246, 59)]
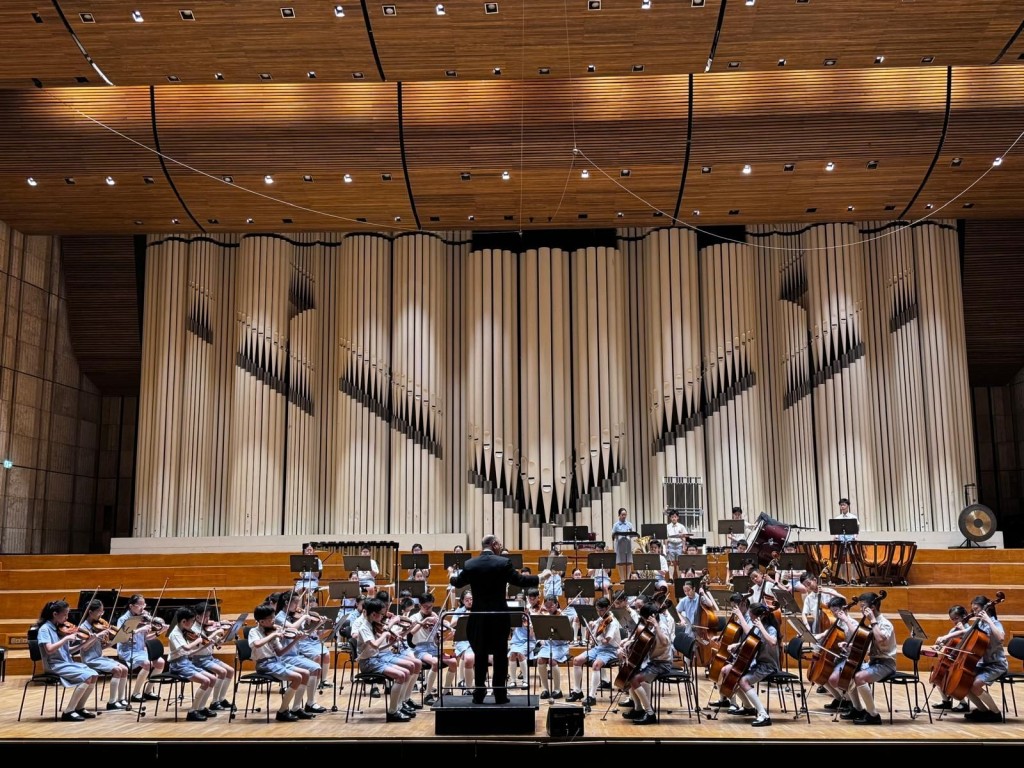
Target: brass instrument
[(640, 545), (825, 577)]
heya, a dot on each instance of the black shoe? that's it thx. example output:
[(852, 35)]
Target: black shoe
[(590, 701), (983, 716), (72, 717), (286, 717), (315, 709), (412, 704), (821, 689), (868, 720), (398, 717), (633, 714), (627, 704), (115, 705), (227, 705), (556, 694), (647, 718), (604, 686), (853, 714), (834, 705), (545, 694), (963, 706), (761, 721), (137, 698), (86, 714), (302, 714), (208, 712), (375, 692), (150, 697), (429, 699), (574, 696), (720, 703), (741, 711), (943, 705), (196, 717), (216, 707)]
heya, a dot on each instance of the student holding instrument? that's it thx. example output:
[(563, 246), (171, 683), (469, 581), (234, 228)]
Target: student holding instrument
[(645, 656), (880, 657)]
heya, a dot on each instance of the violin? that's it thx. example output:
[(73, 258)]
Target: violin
[(67, 628)]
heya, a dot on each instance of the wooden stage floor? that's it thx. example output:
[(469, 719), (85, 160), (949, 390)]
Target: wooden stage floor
[(112, 733)]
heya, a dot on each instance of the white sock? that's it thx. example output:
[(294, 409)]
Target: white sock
[(867, 700), (643, 699), (988, 701), (140, 681), (595, 681), (112, 690), (286, 699), (755, 702), (311, 686), (78, 694), (220, 690), (577, 678), (199, 702), (556, 677)]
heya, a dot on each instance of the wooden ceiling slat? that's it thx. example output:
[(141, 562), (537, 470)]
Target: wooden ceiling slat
[(42, 50)]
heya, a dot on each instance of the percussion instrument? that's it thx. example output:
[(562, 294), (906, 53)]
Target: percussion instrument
[(767, 537)]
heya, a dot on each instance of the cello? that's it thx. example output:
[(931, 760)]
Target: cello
[(639, 645), (856, 648), (731, 634), (745, 656), (969, 651), (826, 655), (704, 619)]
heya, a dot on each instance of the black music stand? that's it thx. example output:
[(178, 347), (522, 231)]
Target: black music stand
[(603, 561), (797, 622), (741, 584), (696, 542), (516, 558), (575, 533), (695, 563), (574, 588), (304, 563), (916, 630), (415, 589), (356, 562), (845, 526), (548, 627), (411, 562), (625, 619), (648, 562), (634, 587), (737, 559), (793, 561), (655, 530), (456, 559), (728, 527), (786, 602), (345, 591), (554, 563)]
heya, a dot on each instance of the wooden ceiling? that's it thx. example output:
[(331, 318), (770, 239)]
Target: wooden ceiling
[(411, 106), (189, 109)]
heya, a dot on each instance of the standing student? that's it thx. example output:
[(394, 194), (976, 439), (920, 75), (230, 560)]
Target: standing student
[(91, 652), (623, 544), (54, 636), (845, 562), (675, 540)]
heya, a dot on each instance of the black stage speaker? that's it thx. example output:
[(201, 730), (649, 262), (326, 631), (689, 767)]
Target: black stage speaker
[(565, 722)]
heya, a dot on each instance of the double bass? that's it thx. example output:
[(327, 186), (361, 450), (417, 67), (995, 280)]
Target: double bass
[(704, 619), (969, 651)]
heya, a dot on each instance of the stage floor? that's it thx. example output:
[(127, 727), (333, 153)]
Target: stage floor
[(603, 729)]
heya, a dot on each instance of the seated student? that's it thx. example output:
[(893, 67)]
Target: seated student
[(268, 641), (523, 644), (760, 623), (91, 652), (661, 573), (306, 654), (605, 637), (134, 653), (184, 641), (658, 661), (427, 638), (373, 641), (570, 609), (879, 661), (309, 580), (551, 654), (204, 658), (463, 651), (417, 549), (54, 636), (368, 578), (552, 580)]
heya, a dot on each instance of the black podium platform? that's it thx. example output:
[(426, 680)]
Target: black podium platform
[(459, 716)]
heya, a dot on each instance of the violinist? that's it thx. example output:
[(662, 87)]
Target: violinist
[(880, 660), (134, 653), (958, 615), (302, 654), (417, 549), (521, 646), (267, 642), (551, 655), (570, 610), (183, 642), (214, 634), (99, 633), (759, 622), (427, 637), (372, 640), (658, 661), (463, 648), (991, 666), (606, 637), (54, 634)]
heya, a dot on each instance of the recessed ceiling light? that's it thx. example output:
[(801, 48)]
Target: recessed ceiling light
[(175, 221), (789, 167), (218, 76), (497, 71), (956, 162), (37, 18), (544, 71), (268, 179), (927, 59), (347, 178), (782, 62), (750, 2), (849, 209), (696, 212), (389, 10), (830, 62), (228, 179), (465, 176), (266, 76), (311, 75), (638, 67), (490, 7), (584, 174), (872, 165), (696, 3), (747, 170), (645, 5), (148, 180), (357, 75), (997, 162), (138, 222), (591, 68), (505, 175), (593, 5), (87, 18), (657, 215), (879, 59), (173, 79), (137, 17), (968, 205), (32, 182), (339, 11), (705, 169), (830, 166), (471, 217), (439, 9), (250, 220), (812, 210), (619, 214), (110, 181), (69, 180), (624, 172), (802, 2), (385, 177), (435, 218), (928, 206), (734, 65), (212, 221), (187, 15), (308, 179), (450, 73)]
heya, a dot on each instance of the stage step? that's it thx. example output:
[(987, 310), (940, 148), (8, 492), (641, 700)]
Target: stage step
[(459, 716)]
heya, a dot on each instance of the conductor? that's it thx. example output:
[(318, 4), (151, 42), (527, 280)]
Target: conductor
[(489, 625)]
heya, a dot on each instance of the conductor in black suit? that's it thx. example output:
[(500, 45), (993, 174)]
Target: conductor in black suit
[(489, 620)]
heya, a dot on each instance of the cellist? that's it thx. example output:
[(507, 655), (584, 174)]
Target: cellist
[(958, 615), (880, 659), (991, 666), (658, 661), (761, 623)]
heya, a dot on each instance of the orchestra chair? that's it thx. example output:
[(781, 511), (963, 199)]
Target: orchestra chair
[(362, 684), (784, 679), (40, 677), (909, 680), (1015, 650), (176, 683), (254, 681), (682, 678)]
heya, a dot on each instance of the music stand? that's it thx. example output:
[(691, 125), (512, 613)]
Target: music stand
[(343, 590), (736, 560), (586, 612), (695, 563), (411, 562), (554, 563), (304, 563), (516, 558), (785, 600), (741, 584), (793, 561), (655, 530), (798, 623), (648, 562), (625, 618), (125, 631), (634, 587), (916, 630), (415, 588), (356, 562), (696, 542), (575, 533), (843, 526), (456, 559), (728, 527), (603, 561), (236, 627), (573, 588)]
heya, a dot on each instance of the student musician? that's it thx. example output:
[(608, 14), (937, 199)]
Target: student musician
[(292, 620), (373, 640), (993, 663), (604, 637), (427, 637), (661, 574), (687, 606), (91, 652), (880, 658), (463, 650), (522, 644), (816, 598), (958, 616), (309, 580), (623, 544), (759, 622), (267, 641), (551, 655), (368, 578), (675, 540), (570, 609), (657, 662), (134, 653), (183, 642), (417, 549), (204, 658), (733, 540), (762, 589), (54, 635), (552, 581)]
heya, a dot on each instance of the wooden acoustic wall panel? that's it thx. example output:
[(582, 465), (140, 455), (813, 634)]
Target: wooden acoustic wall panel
[(55, 135), (770, 120), (39, 49), (241, 41), (103, 311), (523, 38), (952, 32), (530, 129), (323, 131), (986, 116)]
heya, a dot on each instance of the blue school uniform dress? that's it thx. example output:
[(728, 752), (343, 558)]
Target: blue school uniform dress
[(59, 662)]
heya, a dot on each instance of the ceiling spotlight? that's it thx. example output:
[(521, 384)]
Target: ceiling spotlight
[(638, 67), (69, 180), (830, 62), (584, 174), (311, 74), (956, 162), (747, 170), (87, 18), (968, 205), (890, 207), (879, 59), (593, 5), (218, 75), (308, 179), (624, 173), (465, 176), (398, 219), (250, 220), (872, 165), (645, 5), (619, 214), (696, 3), (544, 71), (339, 11), (212, 221), (389, 10), (750, 2), (928, 206), (450, 73), (497, 71), (187, 15), (110, 181), (830, 166), (288, 13), (268, 179), (357, 75), (385, 177), (228, 179), (505, 175), (439, 9), (782, 62), (347, 178), (734, 65), (705, 169), (734, 212), (591, 68), (32, 182), (490, 7), (997, 162), (849, 208), (789, 167), (471, 217), (266, 77), (148, 180), (175, 221), (927, 59), (137, 17), (173, 79), (696, 212), (138, 222)]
